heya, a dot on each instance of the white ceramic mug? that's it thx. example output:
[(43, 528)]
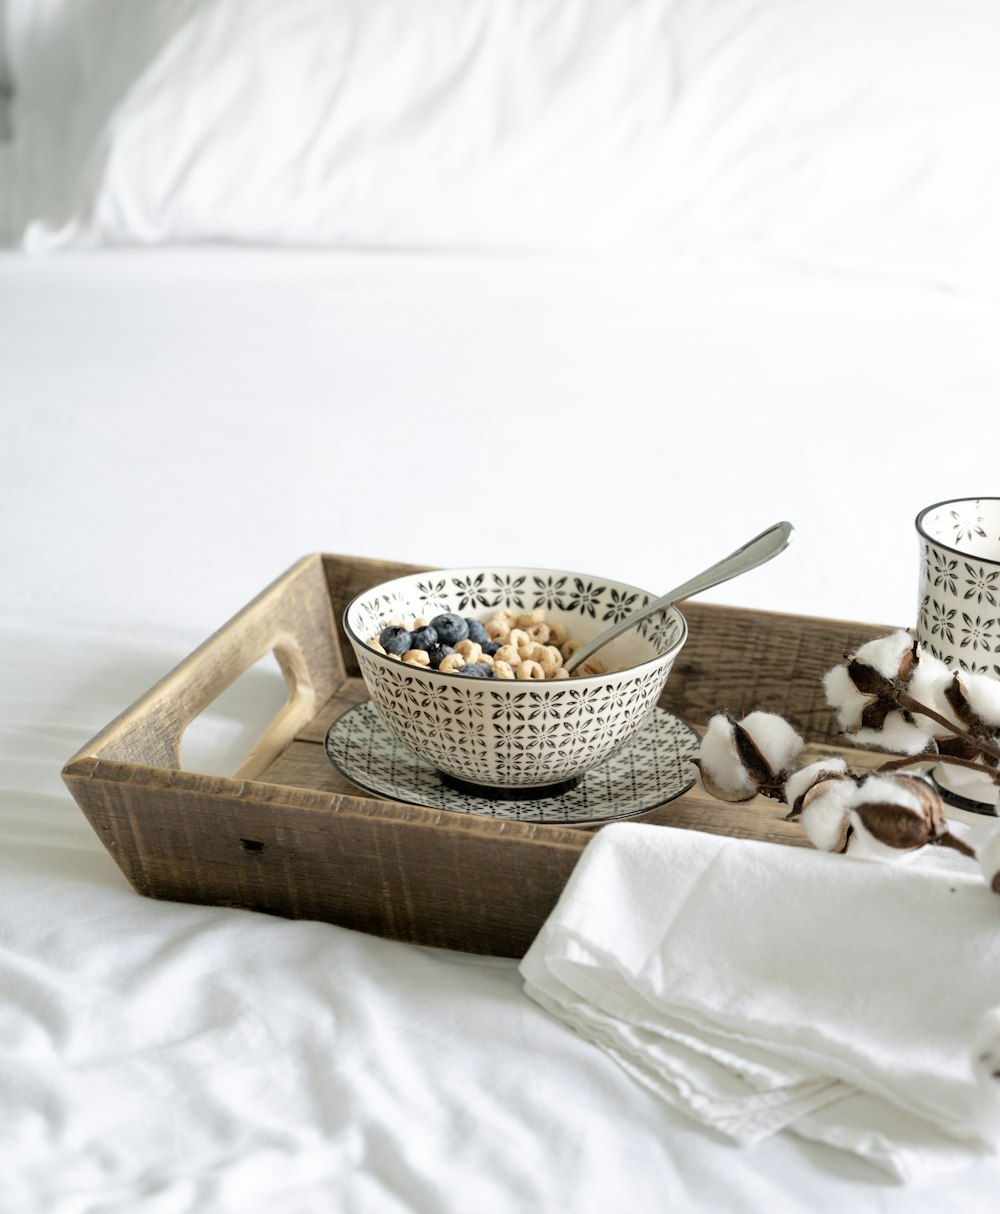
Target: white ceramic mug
[(958, 618)]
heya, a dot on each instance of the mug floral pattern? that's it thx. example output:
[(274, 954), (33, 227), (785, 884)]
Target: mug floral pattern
[(959, 609)]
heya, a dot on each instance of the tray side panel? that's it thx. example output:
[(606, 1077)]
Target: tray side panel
[(402, 872), (742, 660)]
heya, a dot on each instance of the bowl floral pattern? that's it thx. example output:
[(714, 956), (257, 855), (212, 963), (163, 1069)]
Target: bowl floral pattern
[(516, 734)]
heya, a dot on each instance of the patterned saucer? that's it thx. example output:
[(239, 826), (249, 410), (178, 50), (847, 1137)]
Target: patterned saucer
[(651, 770)]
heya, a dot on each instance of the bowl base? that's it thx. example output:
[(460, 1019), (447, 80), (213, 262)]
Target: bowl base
[(532, 792)]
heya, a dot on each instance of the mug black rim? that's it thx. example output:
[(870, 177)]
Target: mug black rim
[(919, 524)]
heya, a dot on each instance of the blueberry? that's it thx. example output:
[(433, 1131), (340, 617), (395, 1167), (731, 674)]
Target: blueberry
[(424, 638), (438, 654), (450, 628), (490, 647), (395, 639), (477, 631), (477, 672)]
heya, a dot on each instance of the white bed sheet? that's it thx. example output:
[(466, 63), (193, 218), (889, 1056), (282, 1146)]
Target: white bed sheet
[(177, 429)]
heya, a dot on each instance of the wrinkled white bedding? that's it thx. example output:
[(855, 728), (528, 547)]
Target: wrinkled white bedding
[(177, 429)]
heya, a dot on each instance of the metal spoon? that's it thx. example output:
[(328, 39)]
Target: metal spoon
[(753, 553)]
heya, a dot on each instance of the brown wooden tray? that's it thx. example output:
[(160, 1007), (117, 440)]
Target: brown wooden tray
[(286, 834)]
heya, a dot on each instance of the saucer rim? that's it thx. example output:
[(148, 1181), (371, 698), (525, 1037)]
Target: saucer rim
[(489, 805)]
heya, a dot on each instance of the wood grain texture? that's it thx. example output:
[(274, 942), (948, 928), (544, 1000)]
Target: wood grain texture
[(287, 835), (292, 618), (404, 872)]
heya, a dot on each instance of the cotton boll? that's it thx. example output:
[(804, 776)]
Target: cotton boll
[(983, 696), (928, 684), (826, 814), (803, 779), (989, 861), (891, 656), (844, 697), (896, 734), (893, 816), (890, 788), (775, 738), (738, 759), (864, 846), (721, 768)]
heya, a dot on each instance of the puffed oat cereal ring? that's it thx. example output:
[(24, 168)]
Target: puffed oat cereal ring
[(397, 621), (497, 630), (376, 644), (550, 659), (508, 654), (527, 618), (505, 615), (530, 670), (520, 639), (502, 669), (417, 657), (539, 632), (568, 648), (559, 673), (557, 633), (470, 650), (453, 662)]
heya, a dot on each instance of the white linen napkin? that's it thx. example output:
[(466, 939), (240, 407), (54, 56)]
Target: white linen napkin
[(761, 987)]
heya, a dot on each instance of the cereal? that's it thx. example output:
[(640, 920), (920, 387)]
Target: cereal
[(519, 639), (557, 633), (497, 629), (530, 670), (509, 645), (549, 658)]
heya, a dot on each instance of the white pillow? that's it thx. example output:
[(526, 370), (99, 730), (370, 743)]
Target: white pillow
[(860, 134), (71, 63)]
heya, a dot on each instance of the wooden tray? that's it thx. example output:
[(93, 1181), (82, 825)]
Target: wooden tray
[(286, 834)]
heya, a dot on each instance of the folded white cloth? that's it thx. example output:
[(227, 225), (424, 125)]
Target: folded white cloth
[(760, 987)]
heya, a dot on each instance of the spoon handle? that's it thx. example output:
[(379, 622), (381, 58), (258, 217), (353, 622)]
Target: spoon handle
[(753, 553)]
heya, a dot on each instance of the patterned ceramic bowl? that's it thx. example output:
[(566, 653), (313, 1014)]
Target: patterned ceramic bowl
[(519, 736)]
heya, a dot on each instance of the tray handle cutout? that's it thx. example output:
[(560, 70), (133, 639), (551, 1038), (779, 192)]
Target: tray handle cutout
[(292, 620), (230, 733)]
